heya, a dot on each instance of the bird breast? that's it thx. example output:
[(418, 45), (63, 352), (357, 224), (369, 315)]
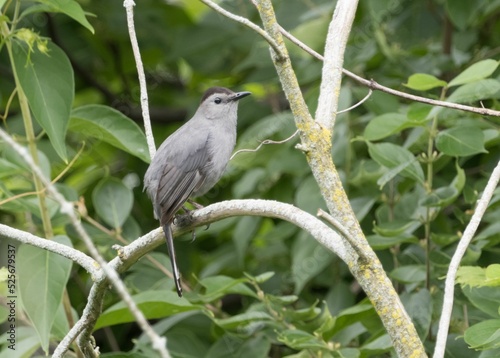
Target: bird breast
[(221, 143)]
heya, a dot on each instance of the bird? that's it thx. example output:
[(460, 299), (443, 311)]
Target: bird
[(192, 160)]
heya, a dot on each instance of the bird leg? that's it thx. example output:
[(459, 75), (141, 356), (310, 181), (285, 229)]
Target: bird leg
[(195, 204)]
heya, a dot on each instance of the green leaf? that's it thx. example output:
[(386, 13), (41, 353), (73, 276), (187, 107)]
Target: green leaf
[(393, 228), (8, 168), (418, 112), (484, 298), (309, 258), (461, 141), (419, 307), (471, 92), (244, 232), (409, 273), (386, 125), (444, 196), (230, 346), (484, 335), (299, 340), (218, 286), (362, 311), (476, 72), (47, 80), (238, 321), (378, 346), (424, 82), (378, 242), (398, 158), (153, 304), (112, 201), (42, 279), (70, 8), (461, 11), (475, 276), (111, 126), (308, 197), (493, 275), (263, 277)]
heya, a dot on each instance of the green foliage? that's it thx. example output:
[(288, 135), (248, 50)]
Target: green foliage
[(259, 287), (46, 77), (43, 278)]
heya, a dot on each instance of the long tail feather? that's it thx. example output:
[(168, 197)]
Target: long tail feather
[(171, 254)]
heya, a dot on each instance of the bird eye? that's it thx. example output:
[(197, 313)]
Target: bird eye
[(217, 100)]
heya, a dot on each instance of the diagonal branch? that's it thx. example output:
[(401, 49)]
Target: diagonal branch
[(247, 23), (67, 208), (378, 87)]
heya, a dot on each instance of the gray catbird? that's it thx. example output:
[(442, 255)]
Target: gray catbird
[(191, 160)]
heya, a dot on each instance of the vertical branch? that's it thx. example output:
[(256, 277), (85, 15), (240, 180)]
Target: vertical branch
[(129, 7), (336, 40), (482, 204)]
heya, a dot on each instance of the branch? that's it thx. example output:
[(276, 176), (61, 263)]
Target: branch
[(336, 40), (316, 143), (130, 254), (87, 262), (67, 208), (129, 7), (378, 87), (248, 24), (264, 142), (467, 237), (225, 209)]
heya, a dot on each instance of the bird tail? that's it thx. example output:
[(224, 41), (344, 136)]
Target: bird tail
[(171, 253)]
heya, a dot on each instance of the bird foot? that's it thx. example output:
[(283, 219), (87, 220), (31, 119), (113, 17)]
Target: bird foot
[(184, 219)]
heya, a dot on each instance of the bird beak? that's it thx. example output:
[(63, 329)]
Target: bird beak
[(239, 95)]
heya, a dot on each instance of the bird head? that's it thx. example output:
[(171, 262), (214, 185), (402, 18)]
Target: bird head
[(219, 103)]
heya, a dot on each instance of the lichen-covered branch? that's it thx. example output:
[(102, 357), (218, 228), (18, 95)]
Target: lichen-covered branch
[(316, 144)]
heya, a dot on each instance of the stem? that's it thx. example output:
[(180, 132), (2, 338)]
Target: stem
[(30, 135), (428, 184)]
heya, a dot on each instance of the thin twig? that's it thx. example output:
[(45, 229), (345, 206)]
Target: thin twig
[(357, 104), (342, 231), (467, 237), (247, 23), (378, 87), (266, 141), (7, 106), (129, 7)]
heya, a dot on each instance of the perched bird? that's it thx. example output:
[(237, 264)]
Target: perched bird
[(191, 160)]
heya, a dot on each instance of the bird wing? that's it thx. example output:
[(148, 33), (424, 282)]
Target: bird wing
[(182, 174)]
